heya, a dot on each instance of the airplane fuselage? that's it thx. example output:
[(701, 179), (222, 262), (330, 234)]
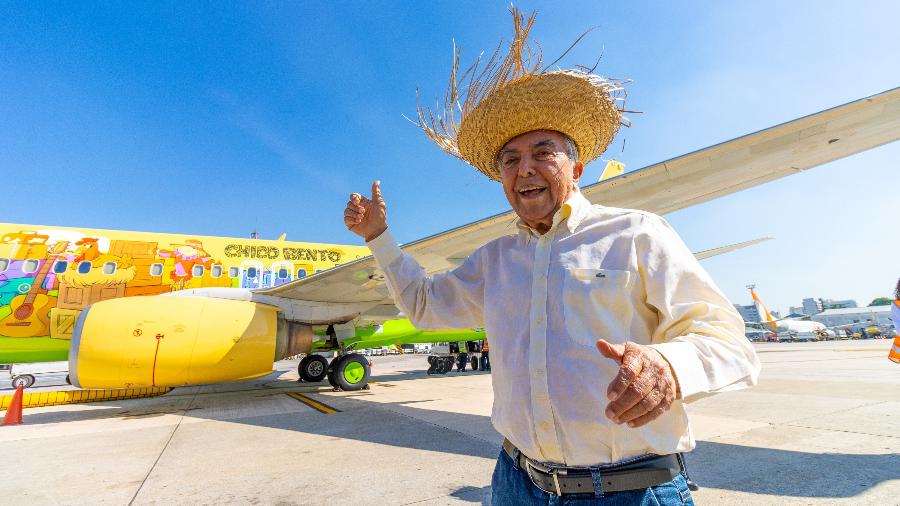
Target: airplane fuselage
[(50, 274)]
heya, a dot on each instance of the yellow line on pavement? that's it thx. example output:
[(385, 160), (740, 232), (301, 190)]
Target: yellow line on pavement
[(40, 399), (318, 406)]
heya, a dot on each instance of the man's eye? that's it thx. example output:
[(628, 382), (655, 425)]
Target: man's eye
[(543, 154), (510, 161)]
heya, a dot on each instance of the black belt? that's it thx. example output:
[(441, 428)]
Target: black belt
[(638, 474)]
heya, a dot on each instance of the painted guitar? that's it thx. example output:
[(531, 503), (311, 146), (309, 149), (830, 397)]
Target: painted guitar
[(30, 316)]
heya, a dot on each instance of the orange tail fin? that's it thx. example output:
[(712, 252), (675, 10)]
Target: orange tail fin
[(765, 311)]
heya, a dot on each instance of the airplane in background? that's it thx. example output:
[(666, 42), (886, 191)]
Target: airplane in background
[(790, 329), (208, 334)]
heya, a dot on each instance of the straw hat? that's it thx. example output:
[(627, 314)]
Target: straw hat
[(514, 95)]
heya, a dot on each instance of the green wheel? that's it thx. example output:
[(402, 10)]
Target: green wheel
[(354, 372), (351, 372)]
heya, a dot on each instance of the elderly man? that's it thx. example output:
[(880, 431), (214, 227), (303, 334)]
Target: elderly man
[(601, 322)]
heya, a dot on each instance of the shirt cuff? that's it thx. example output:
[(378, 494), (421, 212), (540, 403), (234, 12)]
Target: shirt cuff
[(384, 248), (688, 369)]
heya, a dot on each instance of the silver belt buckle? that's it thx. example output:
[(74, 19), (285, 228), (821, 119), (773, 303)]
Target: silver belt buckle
[(552, 471)]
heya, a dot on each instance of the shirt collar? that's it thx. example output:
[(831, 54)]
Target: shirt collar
[(572, 212)]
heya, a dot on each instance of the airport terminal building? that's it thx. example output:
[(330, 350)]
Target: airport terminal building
[(872, 315), (750, 313)]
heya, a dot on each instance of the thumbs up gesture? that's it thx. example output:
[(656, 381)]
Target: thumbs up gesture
[(366, 217), (645, 387)]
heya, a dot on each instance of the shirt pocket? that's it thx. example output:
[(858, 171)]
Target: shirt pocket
[(597, 304)]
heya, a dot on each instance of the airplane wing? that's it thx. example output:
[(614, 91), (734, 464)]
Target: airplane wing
[(357, 287), (700, 255)]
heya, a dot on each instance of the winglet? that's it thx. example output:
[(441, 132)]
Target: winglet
[(282, 236), (612, 169)]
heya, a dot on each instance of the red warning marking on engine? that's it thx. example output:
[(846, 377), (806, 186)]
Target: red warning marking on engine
[(159, 337)]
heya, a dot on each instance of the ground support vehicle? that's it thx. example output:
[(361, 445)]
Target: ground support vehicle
[(445, 355), (25, 375)]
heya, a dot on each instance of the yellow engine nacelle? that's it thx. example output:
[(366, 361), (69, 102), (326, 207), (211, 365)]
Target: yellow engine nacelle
[(178, 341)]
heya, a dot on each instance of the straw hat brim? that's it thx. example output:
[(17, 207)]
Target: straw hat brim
[(570, 102)]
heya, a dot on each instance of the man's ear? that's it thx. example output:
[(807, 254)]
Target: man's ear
[(577, 171)]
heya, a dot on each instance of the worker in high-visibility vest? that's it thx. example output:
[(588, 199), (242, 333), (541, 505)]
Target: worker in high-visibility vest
[(894, 354)]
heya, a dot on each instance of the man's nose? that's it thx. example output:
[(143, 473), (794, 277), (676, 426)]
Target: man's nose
[(526, 168)]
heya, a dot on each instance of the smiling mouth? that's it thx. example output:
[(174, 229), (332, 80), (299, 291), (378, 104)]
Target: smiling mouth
[(531, 192)]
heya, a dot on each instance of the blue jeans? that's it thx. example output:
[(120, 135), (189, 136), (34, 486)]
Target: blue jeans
[(511, 486)]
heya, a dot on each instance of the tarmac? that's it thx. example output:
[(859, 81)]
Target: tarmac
[(822, 427)]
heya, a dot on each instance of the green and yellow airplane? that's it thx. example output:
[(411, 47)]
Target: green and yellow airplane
[(209, 315)]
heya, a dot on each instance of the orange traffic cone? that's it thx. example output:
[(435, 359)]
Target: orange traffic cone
[(14, 411), (894, 354)]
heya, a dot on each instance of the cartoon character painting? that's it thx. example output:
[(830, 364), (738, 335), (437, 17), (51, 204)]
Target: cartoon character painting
[(46, 283), (49, 275)]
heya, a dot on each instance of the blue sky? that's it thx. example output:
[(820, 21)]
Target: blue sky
[(212, 119)]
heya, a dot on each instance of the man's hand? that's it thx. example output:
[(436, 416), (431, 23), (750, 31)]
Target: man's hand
[(645, 386), (364, 217)]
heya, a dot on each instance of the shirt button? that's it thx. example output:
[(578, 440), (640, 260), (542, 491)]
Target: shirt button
[(539, 372), (539, 320)]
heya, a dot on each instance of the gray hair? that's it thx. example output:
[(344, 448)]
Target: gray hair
[(571, 151), (571, 148)]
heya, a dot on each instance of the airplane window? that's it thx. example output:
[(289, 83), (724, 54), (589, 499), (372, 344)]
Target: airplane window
[(216, 271), (30, 266), (197, 271), (251, 272), (233, 272), (156, 270), (109, 268), (301, 273), (4, 263), (282, 273), (84, 267), (60, 266), (318, 271)]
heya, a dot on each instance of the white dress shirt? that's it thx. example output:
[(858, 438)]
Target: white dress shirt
[(544, 300)]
